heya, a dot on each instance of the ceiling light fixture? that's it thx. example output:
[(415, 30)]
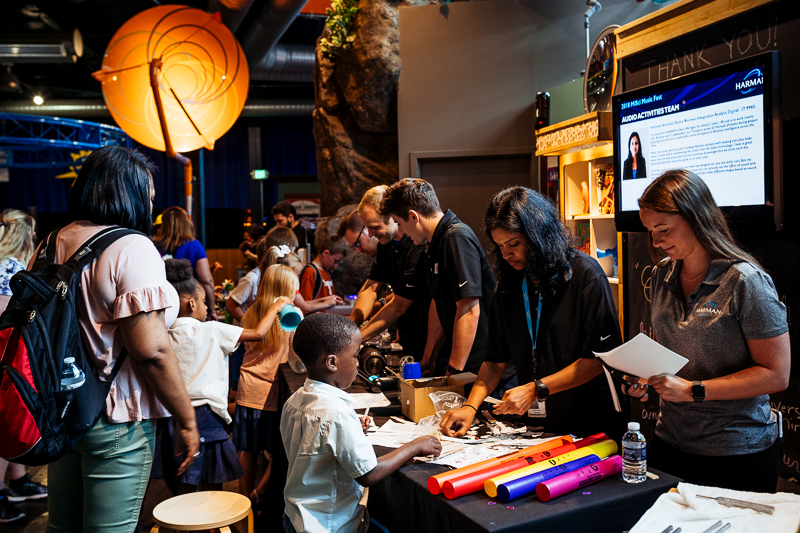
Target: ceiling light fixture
[(38, 100)]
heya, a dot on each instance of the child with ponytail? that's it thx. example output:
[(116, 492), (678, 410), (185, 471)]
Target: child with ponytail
[(202, 349), (256, 420)]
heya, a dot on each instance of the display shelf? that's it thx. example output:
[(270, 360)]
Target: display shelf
[(582, 152)]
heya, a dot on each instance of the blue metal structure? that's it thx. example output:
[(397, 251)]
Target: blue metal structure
[(28, 141)]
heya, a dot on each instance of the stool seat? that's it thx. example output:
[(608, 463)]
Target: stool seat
[(202, 510)]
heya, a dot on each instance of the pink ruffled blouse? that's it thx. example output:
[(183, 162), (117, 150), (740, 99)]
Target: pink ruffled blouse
[(128, 278)]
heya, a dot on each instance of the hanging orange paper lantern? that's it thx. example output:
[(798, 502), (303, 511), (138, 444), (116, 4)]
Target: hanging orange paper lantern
[(201, 75)]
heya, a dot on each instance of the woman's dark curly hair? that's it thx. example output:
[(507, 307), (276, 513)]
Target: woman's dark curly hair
[(549, 244)]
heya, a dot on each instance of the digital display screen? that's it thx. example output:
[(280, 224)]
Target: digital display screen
[(715, 123)]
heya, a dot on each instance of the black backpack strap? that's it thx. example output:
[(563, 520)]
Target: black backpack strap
[(94, 246), (317, 280), (86, 254), (47, 251)]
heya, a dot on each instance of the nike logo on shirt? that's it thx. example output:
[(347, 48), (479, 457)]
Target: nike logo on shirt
[(462, 284), (604, 338), (409, 286)]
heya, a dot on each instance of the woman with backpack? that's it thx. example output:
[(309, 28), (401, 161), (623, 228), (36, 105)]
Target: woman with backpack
[(124, 302), (17, 233)]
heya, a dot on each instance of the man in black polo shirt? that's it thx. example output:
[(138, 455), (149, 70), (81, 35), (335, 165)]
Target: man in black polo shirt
[(458, 276), (397, 263)]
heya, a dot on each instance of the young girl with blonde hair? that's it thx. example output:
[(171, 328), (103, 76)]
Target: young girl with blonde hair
[(256, 420)]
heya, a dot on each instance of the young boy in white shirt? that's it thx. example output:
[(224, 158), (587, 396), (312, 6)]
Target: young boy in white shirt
[(330, 459)]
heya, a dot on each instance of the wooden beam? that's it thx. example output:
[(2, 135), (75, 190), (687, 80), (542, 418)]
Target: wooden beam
[(676, 20)]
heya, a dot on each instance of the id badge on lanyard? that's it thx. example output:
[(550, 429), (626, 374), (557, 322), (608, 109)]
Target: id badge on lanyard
[(537, 408)]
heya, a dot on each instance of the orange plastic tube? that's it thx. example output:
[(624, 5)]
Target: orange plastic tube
[(435, 483)]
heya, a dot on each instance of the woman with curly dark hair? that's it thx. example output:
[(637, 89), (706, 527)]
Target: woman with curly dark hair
[(552, 308)]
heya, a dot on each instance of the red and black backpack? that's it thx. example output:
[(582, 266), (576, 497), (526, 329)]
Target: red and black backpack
[(39, 422)]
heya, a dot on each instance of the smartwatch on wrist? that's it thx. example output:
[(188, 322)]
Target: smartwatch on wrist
[(698, 391), (453, 370), (542, 392)]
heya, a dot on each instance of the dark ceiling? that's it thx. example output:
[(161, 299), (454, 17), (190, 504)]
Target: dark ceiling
[(97, 21)]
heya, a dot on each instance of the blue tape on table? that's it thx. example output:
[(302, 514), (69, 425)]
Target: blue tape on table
[(526, 485)]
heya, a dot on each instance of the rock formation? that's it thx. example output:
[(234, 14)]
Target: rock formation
[(355, 115)]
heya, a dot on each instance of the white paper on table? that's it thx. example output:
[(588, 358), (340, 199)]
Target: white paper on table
[(448, 448), (393, 434), (368, 399), (643, 357), (480, 452), (471, 455)]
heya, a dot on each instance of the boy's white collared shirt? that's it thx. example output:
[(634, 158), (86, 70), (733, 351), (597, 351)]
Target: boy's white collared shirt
[(327, 449)]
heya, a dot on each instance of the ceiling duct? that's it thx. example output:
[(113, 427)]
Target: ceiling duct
[(286, 62), (96, 109), (60, 47), (232, 11), (270, 19), (268, 60)]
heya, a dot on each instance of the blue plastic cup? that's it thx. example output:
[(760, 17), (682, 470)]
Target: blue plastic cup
[(412, 371), (289, 317)]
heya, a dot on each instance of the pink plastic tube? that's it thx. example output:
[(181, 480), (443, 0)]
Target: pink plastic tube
[(558, 486)]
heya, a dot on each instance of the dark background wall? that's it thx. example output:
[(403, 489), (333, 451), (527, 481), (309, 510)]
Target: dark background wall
[(772, 27), (470, 75)]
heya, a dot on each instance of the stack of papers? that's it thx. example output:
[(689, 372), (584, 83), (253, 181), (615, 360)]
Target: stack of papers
[(639, 357)]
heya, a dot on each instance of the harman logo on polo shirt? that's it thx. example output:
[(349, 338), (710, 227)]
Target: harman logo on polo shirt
[(709, 308)]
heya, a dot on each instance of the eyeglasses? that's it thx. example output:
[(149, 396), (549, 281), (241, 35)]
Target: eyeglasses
[(357, 243)]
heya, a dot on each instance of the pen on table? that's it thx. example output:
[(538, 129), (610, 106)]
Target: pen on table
[(712, 528)]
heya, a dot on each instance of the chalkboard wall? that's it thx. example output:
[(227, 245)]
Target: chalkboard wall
[(772, 27)]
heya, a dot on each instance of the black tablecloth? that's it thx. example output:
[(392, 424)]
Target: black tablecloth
[(403, 503)]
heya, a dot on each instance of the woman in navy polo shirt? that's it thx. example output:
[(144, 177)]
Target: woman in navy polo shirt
[(714, 304)]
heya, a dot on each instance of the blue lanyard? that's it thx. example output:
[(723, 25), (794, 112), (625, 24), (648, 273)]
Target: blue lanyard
[(534, 338)]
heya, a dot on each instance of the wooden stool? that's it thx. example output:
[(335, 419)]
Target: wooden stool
[(203, 510)]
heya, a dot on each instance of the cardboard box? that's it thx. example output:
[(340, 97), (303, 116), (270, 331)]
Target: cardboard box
[(416, 404)]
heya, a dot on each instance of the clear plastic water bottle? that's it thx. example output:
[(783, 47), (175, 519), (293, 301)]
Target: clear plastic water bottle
[(72, 377), (634, 455)]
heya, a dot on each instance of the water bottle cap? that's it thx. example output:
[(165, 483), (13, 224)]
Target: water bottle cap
[(633, 426), (69, 360)]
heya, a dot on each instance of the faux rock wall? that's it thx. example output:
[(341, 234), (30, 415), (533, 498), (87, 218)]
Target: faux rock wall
[(355, 115)]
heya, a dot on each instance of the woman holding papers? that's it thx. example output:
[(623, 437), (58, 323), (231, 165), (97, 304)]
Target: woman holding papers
[(713, 304), (552, 308)]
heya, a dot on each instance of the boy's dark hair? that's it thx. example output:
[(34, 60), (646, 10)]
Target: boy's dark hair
[(322, 334), (351, 221), (410, 195), (333, 243), (179, 273), (284, 208), (280, 235), (113, 188)]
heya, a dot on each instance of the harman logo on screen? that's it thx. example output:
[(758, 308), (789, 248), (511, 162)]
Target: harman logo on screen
[(754, 77), (710, 308)]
